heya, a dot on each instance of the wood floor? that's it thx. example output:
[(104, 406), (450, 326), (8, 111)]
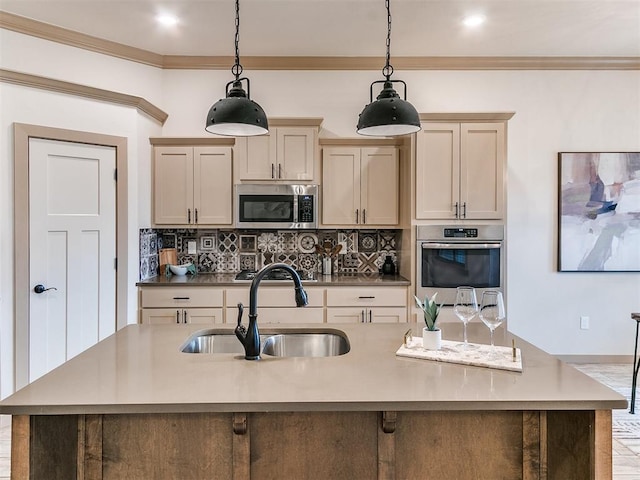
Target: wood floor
[(626, 427)]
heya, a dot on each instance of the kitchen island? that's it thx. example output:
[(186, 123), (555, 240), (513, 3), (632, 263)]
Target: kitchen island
[(136, 406)]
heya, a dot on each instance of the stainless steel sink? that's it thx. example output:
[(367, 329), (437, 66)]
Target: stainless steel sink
[(306, 345), (313, 342)]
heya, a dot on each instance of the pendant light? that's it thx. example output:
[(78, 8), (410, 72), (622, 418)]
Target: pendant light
[(237, 115), (389, 115)]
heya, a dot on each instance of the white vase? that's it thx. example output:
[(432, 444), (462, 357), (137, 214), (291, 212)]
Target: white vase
[(431, 339)]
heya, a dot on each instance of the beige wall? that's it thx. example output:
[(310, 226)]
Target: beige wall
[(555, 111)]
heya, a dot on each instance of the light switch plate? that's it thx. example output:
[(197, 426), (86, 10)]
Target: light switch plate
[(191, 247)]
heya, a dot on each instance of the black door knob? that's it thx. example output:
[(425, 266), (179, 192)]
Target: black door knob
[(41, 289)]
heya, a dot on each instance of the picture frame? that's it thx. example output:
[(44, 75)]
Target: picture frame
[(598, 212)]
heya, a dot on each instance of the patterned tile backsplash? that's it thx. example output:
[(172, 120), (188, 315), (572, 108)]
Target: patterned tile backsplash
[(230, 251)]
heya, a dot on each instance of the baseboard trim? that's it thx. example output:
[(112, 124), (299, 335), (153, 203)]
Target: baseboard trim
[(596, 359)]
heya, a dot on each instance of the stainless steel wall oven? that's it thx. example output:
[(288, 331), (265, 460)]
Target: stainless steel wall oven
[(449, 256)]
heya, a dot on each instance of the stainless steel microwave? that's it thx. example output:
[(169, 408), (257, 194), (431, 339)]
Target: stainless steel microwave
[(276, 206)]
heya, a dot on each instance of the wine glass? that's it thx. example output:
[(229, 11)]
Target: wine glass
[(492, 310), (465, 307)]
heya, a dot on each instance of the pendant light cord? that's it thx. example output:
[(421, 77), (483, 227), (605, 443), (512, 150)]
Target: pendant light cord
[(237, 68), (388, 69)]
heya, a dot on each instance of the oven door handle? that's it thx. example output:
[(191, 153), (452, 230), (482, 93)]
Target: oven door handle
[(459, 246)]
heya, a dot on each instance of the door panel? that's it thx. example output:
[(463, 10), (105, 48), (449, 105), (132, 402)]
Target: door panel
[(72, 244)]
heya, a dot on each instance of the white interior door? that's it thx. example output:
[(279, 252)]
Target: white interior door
[(72, 248)]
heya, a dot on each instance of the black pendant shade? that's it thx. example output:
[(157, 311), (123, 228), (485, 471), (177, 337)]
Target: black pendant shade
[(389, 115), (237, 115)]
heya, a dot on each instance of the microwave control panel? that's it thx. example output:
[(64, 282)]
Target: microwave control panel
[(460, 233), (305, 208)]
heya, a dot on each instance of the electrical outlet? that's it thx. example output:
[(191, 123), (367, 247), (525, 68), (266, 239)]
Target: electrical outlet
[(191, 247), (584, 323)]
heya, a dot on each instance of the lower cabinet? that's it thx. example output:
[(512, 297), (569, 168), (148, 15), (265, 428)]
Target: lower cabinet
[(166, 305), (366, 305), (276, 304)]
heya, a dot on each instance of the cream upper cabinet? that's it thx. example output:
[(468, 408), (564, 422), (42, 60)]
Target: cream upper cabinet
[(285, 153), (460, 171), (360, 185), (192, 185)]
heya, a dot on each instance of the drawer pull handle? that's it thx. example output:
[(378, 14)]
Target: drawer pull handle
[(370, 296), (177, 316), (181, 298)]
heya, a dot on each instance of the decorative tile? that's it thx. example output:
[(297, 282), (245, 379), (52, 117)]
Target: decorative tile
[(248, 243), (387, 240), (383, 256), (368, 262), (350, 239), (153, 265), (248, 261), (307, 242), (183, 258), (207, 262), (153, 244), (169, 240), (207, 243), (268, 242), (330, 236), (231, 262), (367, 242), (144, 244), (308, 262), (288, 258), (287, 242), (266, 258), (227, 242), (349, 260), (144, 268)]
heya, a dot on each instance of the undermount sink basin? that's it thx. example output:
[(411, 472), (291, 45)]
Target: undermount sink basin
[(306, 345), (284, 343)]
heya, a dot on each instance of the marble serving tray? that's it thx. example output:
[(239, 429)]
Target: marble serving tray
[(477, 354)]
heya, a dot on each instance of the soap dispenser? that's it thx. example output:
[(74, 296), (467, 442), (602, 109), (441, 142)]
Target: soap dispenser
[(388, 267)]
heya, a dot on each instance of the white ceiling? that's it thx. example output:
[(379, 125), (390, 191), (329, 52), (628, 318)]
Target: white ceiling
[(354, 27)]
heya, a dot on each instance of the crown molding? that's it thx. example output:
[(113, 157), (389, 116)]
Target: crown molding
[(44, 83), (53, 33)]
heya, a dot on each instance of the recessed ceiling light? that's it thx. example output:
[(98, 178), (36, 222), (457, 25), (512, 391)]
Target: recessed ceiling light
[(474, 20), (167, 20)]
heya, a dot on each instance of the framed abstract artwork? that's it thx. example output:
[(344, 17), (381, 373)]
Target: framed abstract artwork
[(599, 212)]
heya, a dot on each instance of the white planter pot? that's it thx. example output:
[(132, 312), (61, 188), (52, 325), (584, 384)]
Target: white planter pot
[(431, 339)]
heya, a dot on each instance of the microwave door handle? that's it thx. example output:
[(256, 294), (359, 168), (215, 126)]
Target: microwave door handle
[(295, 209), (458, 246)]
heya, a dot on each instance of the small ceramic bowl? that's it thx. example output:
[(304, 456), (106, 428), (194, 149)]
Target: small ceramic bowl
[(179, 269)]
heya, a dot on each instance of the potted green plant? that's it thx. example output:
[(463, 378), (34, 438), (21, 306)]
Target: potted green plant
[(431, 334)]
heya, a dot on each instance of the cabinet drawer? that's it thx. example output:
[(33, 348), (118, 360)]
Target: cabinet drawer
[(366, 315), (182, 297), (272, 296), (367, 296)]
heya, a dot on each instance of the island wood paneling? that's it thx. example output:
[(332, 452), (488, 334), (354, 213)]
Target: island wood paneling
[(473, 445)]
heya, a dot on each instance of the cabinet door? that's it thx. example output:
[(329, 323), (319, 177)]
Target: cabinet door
[(161, 316), (203, 315), (482, 160), (347, 315), (379, 184), (437, 170), (256, 157), (341, 186), (388, 315), (173, 185), (295, 151), (212, 186)]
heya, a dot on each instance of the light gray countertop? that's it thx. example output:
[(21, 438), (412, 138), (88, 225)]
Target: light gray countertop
[(141, 369), (228, 279)]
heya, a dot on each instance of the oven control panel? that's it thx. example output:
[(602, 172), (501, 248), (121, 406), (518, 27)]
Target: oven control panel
[(460, 232)]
